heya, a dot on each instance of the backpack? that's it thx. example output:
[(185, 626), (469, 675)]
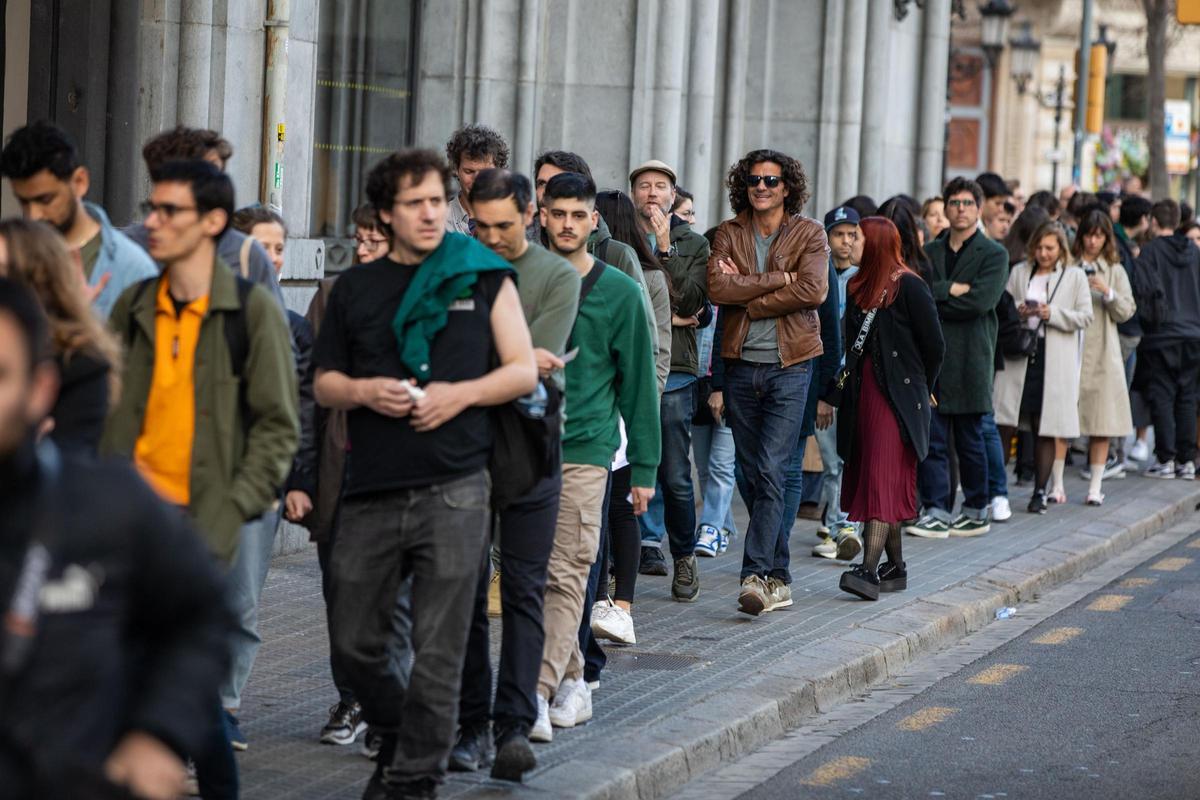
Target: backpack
[(526, 448)]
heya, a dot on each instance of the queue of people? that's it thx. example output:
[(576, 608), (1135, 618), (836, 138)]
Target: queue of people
[(497, 412)]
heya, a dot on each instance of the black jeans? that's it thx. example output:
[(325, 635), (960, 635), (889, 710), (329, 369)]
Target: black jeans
[(526, 539), (933, 474), (438, 536), (675, 470), (1169, 386), (594, 657)]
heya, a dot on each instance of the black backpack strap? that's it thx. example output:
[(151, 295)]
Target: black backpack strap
[(237, 330), (589, 282)]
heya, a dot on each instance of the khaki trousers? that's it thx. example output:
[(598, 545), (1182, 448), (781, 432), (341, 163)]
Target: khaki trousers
[(576, 545)]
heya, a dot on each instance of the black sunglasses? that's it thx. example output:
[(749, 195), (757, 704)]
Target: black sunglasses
[(770, 181)]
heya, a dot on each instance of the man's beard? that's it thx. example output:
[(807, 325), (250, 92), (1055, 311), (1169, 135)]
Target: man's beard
[(65, 226)]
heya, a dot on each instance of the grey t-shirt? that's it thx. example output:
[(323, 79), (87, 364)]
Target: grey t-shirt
[(762, 340)]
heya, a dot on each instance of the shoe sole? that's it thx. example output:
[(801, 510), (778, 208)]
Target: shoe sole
[(706, 553), (859, 588), (924, 534), (601, 633), (513, 761), (970, 534), (752, 604), (781, 604), (342, 739), (654, 570), (848, 548), (541, 738), (240, 747), (893, 585), (468, 766), (1158, 477), (830, 556), (684, 598)]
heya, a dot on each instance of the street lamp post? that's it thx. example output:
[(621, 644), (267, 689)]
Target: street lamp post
[(993, 31)]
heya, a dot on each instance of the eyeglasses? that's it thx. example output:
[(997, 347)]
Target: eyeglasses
[(363, 241), (967, 203), (770, 181), (165, 211)]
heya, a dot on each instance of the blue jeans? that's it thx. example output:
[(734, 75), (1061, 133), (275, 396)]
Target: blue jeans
[(933, 474), (712, 446), (652, 523), (247, 575), (765, 405), (997, 476), (831, 477)]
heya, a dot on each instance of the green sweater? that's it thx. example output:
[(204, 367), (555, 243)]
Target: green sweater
[(549, 290), (613, 376)]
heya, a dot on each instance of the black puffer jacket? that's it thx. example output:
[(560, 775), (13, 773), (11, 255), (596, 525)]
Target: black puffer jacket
[(132, 627), (907, 349)]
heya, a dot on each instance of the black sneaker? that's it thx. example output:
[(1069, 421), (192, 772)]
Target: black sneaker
[(380, 789), (345, 724), (861, 582), (893, 577), (653, 562), (237, 740), (372, 743), (473, 750), (1037, 503), (514, 756), (685, 586)]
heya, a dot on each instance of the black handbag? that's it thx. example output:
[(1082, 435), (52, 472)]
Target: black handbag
[(1028, 337), (853, 355), (525, 447)]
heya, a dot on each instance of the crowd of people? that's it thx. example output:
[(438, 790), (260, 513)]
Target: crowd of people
[(498, 411)]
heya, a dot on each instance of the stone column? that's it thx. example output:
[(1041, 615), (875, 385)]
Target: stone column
[(931, 136)]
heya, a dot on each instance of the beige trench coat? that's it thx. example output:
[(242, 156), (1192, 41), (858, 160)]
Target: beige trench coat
[(1070, 314), (1103, 395)]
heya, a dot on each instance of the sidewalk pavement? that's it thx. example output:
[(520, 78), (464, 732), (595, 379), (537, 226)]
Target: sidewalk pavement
[(705, 685)]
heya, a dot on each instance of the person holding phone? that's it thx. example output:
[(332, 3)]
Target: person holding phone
[(1054, 299), (1104, 410)]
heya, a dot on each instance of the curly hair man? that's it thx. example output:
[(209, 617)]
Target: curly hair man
[(471, 150), (769, 271)]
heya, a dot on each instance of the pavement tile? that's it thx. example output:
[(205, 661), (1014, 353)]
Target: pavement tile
[(727, 683)]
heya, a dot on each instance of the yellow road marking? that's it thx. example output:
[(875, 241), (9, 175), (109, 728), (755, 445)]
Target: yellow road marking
[(837, 770), (1171, 564), (1110, 602), (1134, 583), (926, 718), (998, 674), (1058, 636)]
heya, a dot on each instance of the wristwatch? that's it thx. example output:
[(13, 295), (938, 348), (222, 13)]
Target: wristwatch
[(665, 254)]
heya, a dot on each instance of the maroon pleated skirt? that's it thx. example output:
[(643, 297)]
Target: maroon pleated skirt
[(880, 481)]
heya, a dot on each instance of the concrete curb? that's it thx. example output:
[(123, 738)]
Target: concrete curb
[(725, 726)]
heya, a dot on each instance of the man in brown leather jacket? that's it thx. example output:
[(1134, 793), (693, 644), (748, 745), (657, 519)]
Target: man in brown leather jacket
[(769, 271)]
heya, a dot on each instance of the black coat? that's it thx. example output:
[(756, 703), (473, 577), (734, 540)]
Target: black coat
[(303, 476), (133, 626), (82, 404), (907, 348)]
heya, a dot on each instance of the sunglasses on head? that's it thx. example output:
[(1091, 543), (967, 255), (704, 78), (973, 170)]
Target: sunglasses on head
[(770, 181)]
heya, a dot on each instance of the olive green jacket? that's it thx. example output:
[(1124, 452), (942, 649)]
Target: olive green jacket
[(688, 268), (238, 465)]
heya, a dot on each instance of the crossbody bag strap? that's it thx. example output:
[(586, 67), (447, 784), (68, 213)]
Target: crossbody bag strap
[(1050, 299), (860, 343)]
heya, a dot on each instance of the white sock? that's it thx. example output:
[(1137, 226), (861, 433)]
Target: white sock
[(1097, 477), (1056, 473)]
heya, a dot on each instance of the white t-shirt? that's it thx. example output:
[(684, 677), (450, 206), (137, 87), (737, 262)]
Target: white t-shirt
[(1039, 290)]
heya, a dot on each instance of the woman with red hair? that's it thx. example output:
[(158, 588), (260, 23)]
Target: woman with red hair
[(893, 355)]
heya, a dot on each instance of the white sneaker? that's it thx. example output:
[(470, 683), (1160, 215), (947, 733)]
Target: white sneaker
[(1001, 511), (572, 705), (1140, 451), (708, 541), (541, 731), (826, 548), (1186, 471), (848, 542), (610, 621), (1161, 471)]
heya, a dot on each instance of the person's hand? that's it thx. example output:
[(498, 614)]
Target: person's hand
[(147, 767), (824, 415), (1043, 311), (296, 505), (547, 362), (386, 396), (661, 224), (642, 495), (727, 267), (1097, 283), (716, 404), (1026, 311), (959, 289), (684, 322), (442, 402)]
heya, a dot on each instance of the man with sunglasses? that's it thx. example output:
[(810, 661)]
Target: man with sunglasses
[(969, 274), (684, 255), (769, 271)]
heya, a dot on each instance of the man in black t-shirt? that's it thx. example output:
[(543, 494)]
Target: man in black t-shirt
[(406, 348)]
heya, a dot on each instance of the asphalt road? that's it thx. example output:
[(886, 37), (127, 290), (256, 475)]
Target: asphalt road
[(1099, 700)]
